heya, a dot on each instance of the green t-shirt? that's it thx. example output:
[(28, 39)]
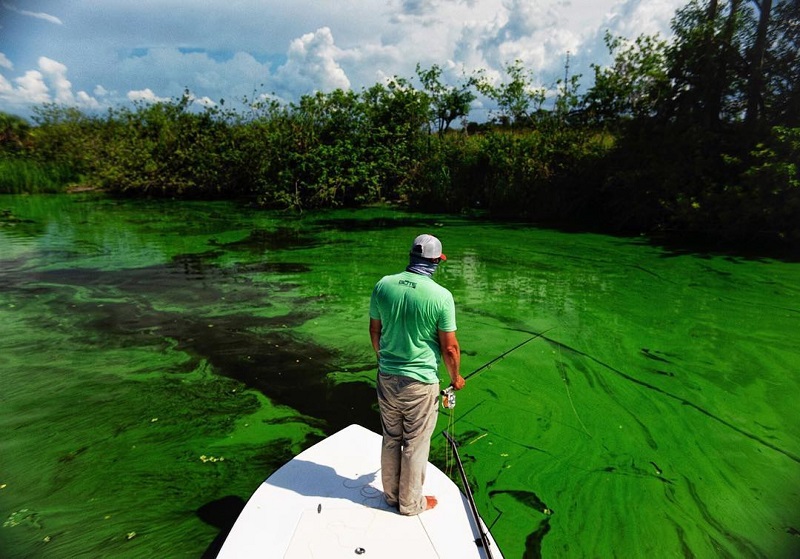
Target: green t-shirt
[(411, 308)]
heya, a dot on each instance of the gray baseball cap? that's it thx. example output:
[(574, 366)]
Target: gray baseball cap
[(427, 246)]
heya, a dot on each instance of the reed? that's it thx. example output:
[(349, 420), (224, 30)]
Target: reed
[(24, 176)]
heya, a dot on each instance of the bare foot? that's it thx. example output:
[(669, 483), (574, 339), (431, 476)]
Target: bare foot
[(431, 502)]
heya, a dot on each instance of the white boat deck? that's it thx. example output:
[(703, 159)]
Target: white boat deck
[(328, 503)]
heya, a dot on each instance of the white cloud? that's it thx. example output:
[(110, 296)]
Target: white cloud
[(38, 15), (168, 72), (85, 100), (237, 50), (146, 95), (312, 65), (636, 17), (31, 88), (47, 84), (203, 101), (57, 74), (5, 87)]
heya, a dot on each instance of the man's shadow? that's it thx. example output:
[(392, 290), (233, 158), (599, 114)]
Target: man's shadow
[(304, 478), (316, 480)]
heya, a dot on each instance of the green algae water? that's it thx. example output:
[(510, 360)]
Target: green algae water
[(158, 360)]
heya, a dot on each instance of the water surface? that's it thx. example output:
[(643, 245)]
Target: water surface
[(159, 359)]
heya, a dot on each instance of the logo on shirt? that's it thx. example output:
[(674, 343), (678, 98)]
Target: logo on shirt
[(411, 284)]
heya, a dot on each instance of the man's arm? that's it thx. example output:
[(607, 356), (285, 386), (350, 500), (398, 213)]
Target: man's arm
[(375, 328), (451, 354)]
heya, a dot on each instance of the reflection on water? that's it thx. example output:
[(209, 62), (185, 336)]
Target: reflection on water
[(160, 359)]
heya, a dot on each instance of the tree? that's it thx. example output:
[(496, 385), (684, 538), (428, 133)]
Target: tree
[(782, 65), (397, 118), (755, 81), (14, 133), (448, 103), (705, 63), (731, 62), (567, 99), (517, 99), (635, 85)]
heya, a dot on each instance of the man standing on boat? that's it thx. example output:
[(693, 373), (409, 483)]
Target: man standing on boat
[(412, 325)]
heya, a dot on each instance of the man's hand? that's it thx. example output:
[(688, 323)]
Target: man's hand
[(459, 382)]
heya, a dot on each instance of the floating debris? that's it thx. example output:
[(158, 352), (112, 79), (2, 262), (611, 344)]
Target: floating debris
[(22, 516)]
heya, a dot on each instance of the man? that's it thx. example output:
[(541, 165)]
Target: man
[(412, 325)]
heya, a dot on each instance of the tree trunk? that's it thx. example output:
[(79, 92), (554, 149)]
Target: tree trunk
[(755, 82), (713, 69)]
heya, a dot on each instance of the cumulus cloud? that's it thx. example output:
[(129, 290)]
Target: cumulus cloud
[(85, 100), (534, 33), (289, 50), (636, 17), (167, 72), (5, 87), (31, 88), (146, 95), (47, 84), (57, 74), (525, 19), (629, 19), (312, 65), (545, 35)]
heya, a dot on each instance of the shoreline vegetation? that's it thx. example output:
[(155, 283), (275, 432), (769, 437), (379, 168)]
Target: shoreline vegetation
[(695, 138)]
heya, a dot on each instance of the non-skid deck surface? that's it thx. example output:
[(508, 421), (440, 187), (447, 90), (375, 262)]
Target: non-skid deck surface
[(328, 503)]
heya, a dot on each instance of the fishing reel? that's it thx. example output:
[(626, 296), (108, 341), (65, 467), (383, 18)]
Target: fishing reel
[(448, 397)]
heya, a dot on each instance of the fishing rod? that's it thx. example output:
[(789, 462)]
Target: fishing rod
[(484, 538), (449, 393), (449, 402), (499, 357)]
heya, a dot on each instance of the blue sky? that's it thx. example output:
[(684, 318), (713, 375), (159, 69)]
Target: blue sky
[(95, 54)]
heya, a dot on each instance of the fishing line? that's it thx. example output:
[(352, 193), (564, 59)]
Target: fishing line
[(451, 453), (449, 457), (449, 397), (562, 369), (684, 402), (449, 394), (499, 357)]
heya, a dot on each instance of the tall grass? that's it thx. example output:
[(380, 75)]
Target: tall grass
[(23, 176)]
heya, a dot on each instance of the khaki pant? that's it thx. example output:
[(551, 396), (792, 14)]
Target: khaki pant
[(408, 418)]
